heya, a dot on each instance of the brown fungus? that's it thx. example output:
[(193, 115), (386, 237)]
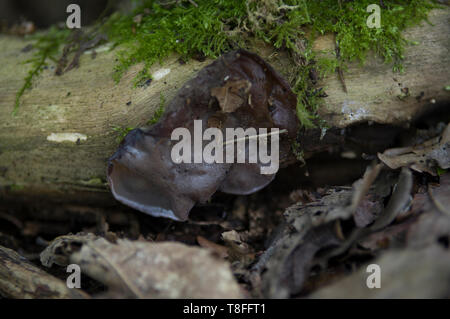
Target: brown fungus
[(238, 90)]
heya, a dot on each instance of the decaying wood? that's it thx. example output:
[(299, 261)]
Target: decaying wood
[(86, 101), (21, 279)]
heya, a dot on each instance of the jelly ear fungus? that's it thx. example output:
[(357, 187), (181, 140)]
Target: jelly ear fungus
[(237, 90)]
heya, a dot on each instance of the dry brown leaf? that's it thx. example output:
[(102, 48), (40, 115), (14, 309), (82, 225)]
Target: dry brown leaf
[(423, 225), (157, 270), (232, 95), (422, 158)]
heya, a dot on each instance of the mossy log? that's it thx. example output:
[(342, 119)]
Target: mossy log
[(86, 103)]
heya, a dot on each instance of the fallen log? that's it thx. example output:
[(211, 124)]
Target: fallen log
[(59, 141)]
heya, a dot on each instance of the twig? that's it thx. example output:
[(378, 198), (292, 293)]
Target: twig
[(251, 137)]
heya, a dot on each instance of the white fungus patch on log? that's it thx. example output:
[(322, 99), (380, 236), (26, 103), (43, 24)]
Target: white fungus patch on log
[(66, 137), (103, 48), (354, 112), (158, 75)]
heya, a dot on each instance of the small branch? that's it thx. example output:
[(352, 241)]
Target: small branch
[(252, 137)]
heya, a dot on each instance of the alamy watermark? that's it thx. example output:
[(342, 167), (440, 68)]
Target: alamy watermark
[(374, 279), (74, 19), (74, 279), (213, 152), (374, 20)]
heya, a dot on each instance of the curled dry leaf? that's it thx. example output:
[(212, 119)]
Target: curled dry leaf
[(61, 248), (425, 223), (238, 90), (137, 269), (309, 228), (426, 157), (338, 203), (399, 201)]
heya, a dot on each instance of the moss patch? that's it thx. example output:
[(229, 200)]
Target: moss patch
[(159, 112), (46, 47), (121, 132)]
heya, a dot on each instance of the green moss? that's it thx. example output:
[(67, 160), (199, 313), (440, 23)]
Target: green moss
[(298, 152), (159, 111), (16, 187), (157, 28), (153, 31), (348, 22), (440, 171), (121, 132), (46, 47)]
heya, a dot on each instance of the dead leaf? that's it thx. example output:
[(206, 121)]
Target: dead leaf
[(292, 259), (433, 225), (367, 211), (425, 157), (232, 94), (61, 248), (136, 269), (424, 224), (317, 227)]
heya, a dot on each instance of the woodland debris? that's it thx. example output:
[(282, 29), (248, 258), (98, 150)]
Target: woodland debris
[(139, 269), (19, 278), (318, 227)]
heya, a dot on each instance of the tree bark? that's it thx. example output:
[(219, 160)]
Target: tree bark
[(21, 279), (86, 101)]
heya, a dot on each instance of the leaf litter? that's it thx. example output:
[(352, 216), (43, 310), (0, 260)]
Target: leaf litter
[(140, 269)]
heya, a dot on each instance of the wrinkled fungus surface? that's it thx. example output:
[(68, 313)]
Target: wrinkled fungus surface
[(237, 90)]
